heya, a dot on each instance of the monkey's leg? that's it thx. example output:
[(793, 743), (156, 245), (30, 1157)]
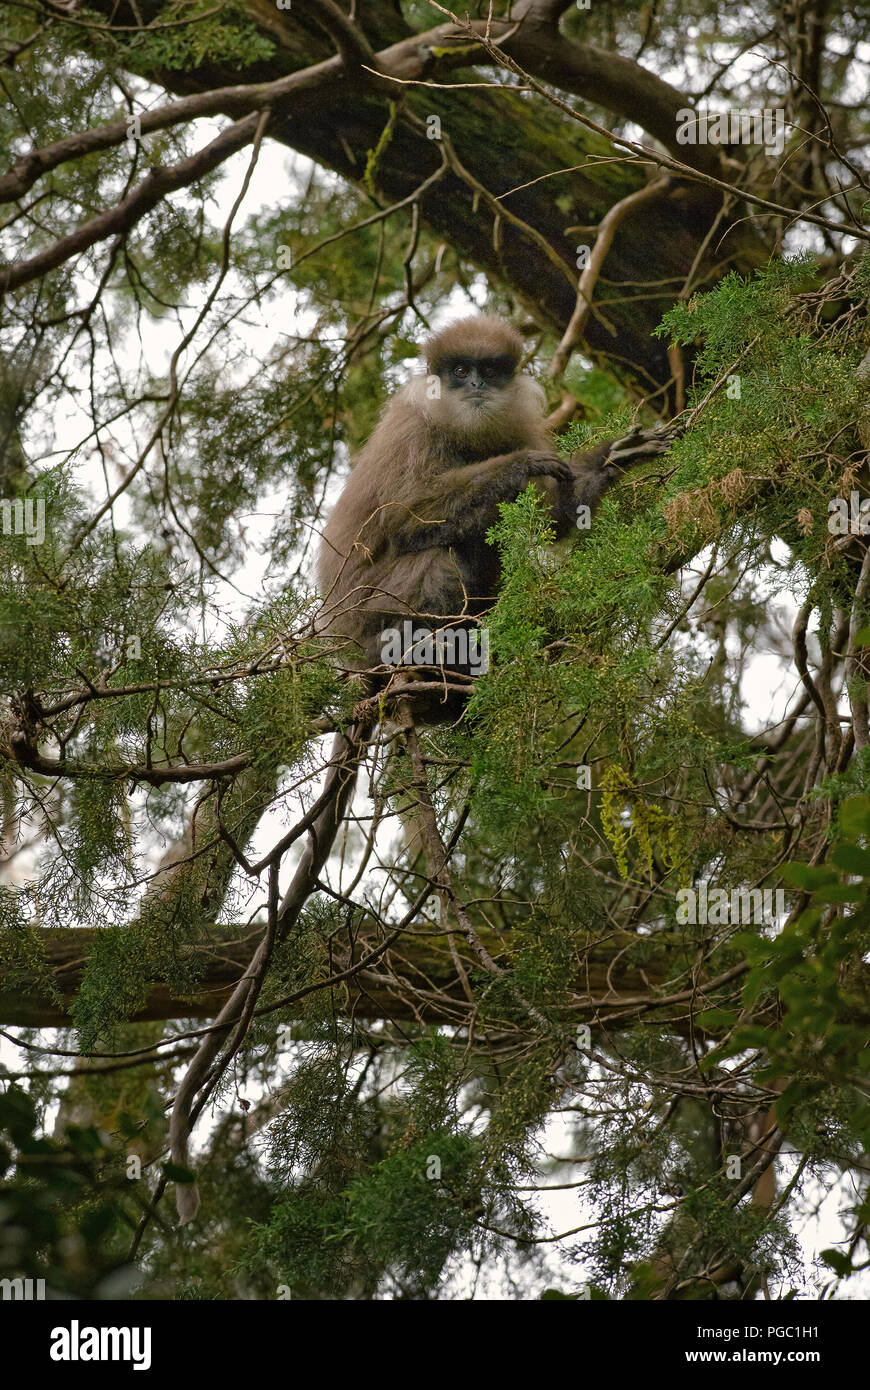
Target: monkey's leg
[(399, 594)]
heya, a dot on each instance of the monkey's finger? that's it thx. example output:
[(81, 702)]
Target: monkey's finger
[(640, 451), (550, 465), (641, 443)]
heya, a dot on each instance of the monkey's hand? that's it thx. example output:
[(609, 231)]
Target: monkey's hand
[(553, 476), (541, 464), (641, 443), (596, 470)]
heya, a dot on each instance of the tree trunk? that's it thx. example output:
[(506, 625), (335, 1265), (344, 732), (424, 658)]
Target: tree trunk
[(504, 142)]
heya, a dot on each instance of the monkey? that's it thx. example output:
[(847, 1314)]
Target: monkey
[(406, 539)]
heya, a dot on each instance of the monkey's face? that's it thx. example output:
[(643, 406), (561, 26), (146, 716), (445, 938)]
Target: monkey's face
[(477, 392)]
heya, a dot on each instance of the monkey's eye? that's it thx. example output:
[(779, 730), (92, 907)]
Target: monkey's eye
[(460, 371), (488, 370)]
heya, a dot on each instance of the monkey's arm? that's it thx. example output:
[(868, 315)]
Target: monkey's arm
[(459, 504), (595, 471)]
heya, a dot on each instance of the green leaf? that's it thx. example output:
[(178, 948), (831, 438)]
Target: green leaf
[(852, 858), (754, 1036), (794, 1093), (175, 1173), (842, 893), (808, 876), (716, 1019), (855, 816)]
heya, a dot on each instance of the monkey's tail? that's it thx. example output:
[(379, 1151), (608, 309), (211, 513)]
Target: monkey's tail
[(414, 834), (207, 1067)]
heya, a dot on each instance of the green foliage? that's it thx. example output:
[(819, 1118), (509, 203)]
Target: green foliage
[(60, 1206), (204, 36), (23, 963), (738, 312), (386, 1203), (811, 968)]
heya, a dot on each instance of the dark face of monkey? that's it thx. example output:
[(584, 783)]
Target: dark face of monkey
[(479, 381)]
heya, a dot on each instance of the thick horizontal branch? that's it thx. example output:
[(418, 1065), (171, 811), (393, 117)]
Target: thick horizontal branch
[(418, 982), (608, 79), (158, 775)]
